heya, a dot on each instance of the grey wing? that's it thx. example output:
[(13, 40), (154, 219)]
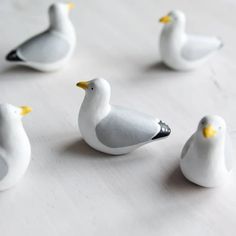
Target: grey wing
[(47, 47), (186, 147), (229, 153), (3, 168), (124, 127), (198, 47)]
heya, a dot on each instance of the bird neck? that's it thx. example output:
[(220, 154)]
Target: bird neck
[(12, 134), (174, 30), (61, 23), (211, 150), (95, 107)]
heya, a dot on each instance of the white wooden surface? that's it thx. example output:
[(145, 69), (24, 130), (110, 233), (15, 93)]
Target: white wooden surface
[(70, 189)]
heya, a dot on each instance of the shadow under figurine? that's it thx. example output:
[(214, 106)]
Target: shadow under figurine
[(15, 148), (207, 157), (113, 129), (182, 51), (51, 49)]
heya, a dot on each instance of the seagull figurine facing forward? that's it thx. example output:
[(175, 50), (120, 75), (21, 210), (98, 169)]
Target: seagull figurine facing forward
[(181, 51), (207, 157), (51, 49), (15, 148), (112, 129)]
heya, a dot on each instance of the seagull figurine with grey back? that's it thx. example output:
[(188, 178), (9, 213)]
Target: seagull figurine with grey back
[(207, 157), (51, 49), (182, 51), (112, 129)]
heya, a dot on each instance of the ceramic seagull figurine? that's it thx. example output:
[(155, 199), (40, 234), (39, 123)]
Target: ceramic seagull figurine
[(181, 51), (15, 148), (51, 49), (207, 157), (112, 129)]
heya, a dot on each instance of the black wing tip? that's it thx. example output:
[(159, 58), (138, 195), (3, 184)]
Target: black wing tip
[(12, 56), (164, 132)]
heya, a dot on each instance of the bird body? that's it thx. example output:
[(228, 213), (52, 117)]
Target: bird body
[(113, 129), (51, 49), (15, 147), (207, 157), (181, 51)]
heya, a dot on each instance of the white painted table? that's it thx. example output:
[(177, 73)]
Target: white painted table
[(70, 189)]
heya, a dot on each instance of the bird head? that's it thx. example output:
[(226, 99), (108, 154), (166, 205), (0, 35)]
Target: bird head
[(58, 13), (10, 112), (96, 90), (173, 17), (61, 7), (211, 128)]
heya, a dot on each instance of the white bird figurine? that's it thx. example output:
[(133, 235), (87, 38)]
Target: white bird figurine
[(51, 49), (181, 51), (112, 129), (15, 148), (207, 157)]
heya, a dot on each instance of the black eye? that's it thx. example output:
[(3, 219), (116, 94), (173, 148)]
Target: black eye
[(92, 88)]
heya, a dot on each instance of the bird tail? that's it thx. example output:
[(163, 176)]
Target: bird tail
[(12, 56), (164, 131), (221, 43)]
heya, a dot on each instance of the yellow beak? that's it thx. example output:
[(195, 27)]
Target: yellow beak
[(83, 84), (209, 131), (25, 110), (165, 19), (70, 5)]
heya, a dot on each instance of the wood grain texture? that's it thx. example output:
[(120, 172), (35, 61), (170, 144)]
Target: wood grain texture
[(70, 189)]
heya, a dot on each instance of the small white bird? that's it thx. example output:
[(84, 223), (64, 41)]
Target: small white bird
[(15, 148), (181, 51), (112, 129), (51, 49), (207, 157)]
